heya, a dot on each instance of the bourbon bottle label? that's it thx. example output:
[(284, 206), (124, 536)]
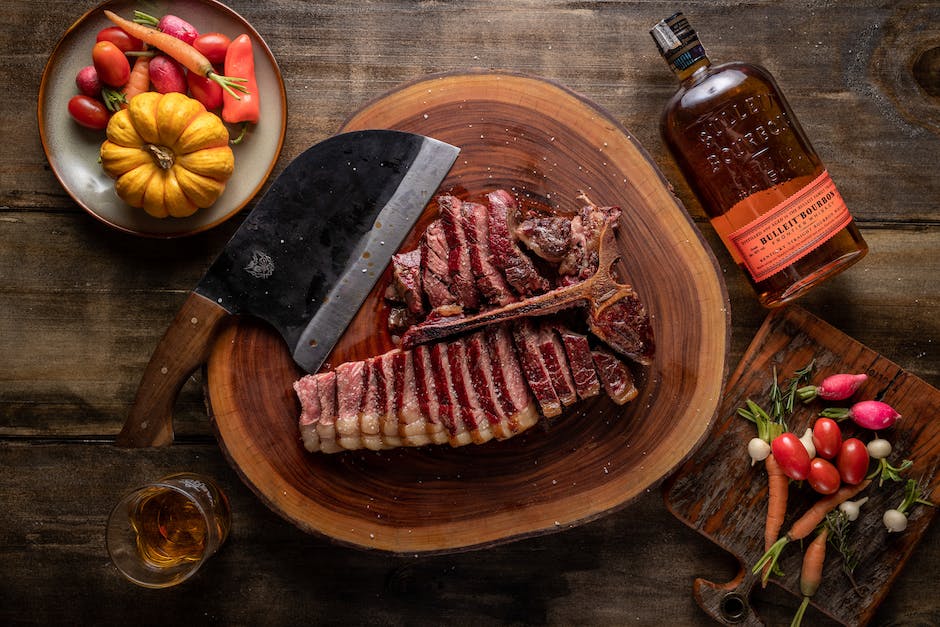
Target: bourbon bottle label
[(792, 229)]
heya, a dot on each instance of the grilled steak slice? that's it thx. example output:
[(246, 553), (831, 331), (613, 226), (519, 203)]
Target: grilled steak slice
[(553, 354), (485, 385), (435, 276), (518, 269), (468, 401), (511, 389), (371, 412), (406, 275), (548, 237), (412, 422), (351, 381), (526, 338), (458, 432), (428, 396), (615, 376), (581, 363), (489, 280), (310, 411), (463, 282), (581, 260)]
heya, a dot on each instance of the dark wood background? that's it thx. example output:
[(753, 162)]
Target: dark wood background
[(82, 306)]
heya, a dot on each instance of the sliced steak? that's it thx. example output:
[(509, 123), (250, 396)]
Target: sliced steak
[(614, 375), (406, 275), (468, 399), (526, 337), (553, 354), (458, 433), (388, 413), (581, 363), (509, 379), (435, 276), (306, 389), (582, 258), (547, 236), (412, 421), (463, 282), (427, 395), (372, 405), (489, 280), (326, 427), (518, 269), (486, 388), (351, 381)]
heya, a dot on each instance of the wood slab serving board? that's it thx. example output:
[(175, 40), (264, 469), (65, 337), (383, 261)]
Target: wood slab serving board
[(546, 145), (718, 493)]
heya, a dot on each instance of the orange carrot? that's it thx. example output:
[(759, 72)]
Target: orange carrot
[(139, 81), (811, 572), (805, 525), (188, 56), (778, 486)]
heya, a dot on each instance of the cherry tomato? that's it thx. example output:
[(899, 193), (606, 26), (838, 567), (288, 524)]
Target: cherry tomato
[(823, 476), (791, 455), (117, 36), (205, 90), (88, 112), (212, 46), (827, 438), (852, 461), (112, 66)]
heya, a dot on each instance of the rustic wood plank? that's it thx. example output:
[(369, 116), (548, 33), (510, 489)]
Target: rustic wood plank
[(619, 570)]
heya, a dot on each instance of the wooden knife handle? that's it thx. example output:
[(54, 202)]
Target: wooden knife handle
[(184, 347)]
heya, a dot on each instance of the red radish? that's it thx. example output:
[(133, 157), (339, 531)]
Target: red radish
[(172, 25), (87, 81), (792, 456), (873, 415), (837, 387), (827, 437), (167, 75)]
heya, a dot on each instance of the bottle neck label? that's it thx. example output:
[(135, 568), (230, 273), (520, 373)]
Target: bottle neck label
[(793, 229)]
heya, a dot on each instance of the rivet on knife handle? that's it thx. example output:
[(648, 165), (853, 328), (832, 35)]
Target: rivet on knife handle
[(184, 347)]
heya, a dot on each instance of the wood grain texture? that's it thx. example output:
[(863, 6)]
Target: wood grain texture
[(82, 308), (733, 515), (546, 145)]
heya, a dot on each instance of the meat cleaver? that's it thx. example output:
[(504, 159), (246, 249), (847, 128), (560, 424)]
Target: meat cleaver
[(303, 260)]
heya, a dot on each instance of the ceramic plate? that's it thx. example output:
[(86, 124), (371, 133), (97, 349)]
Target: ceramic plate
[(72, 150), (546, 145)]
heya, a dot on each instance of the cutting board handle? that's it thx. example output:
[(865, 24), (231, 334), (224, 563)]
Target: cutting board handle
[(184, 347), (728, 602)]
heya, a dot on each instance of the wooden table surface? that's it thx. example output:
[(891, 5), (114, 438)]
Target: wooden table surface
[(82, 307)]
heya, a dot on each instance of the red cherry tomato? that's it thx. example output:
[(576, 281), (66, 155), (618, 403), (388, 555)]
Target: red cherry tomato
[(88, 112), (205, 90), (823, 476), (827, 438), (213, 46), (117, 36), (112, 66), (853, 461), (791, 455)]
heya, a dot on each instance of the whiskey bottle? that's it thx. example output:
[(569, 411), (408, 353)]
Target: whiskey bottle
[(744, 154)]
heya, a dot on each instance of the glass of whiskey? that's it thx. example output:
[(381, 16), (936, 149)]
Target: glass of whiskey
[(160, 534)]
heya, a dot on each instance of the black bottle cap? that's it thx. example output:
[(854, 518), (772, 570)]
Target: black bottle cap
[(677, 42)]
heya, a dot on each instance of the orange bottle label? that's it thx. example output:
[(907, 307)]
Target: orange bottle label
[(792, 229)]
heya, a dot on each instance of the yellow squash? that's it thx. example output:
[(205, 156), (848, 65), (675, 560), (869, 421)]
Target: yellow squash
[(167, 154)]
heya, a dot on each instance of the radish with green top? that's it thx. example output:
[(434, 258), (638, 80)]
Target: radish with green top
[(879, 449), (895, 520), (837, 387), (873, 415)]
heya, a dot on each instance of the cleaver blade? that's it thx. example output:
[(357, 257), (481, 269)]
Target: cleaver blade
[(303, 260)]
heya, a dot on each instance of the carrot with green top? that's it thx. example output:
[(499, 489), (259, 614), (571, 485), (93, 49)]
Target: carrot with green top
[(188, 56), (811, 572), (778, 487), (805, 525)]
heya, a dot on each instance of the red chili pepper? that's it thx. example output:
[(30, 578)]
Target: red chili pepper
[(239, 61)]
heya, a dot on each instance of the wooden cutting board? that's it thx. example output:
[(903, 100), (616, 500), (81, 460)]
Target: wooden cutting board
[(718, 493)]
